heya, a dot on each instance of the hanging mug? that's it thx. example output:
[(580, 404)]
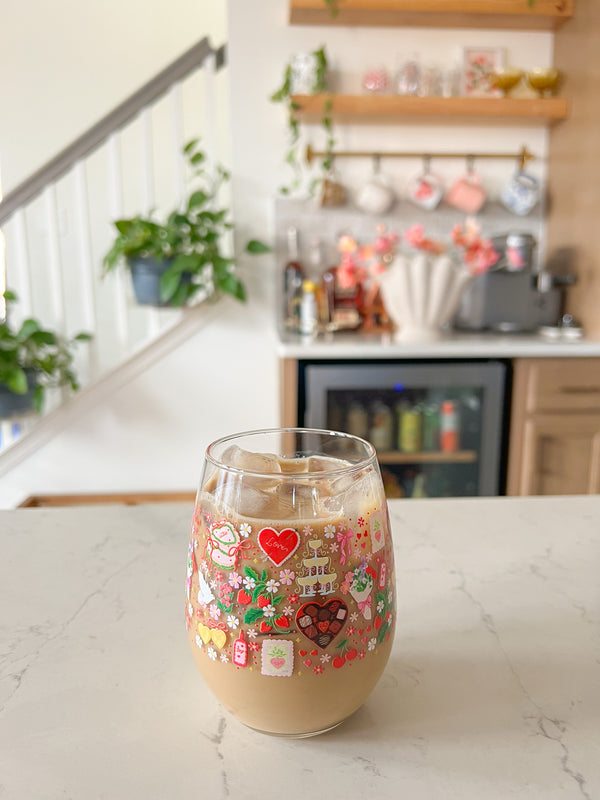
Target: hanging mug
[(376, 196), (466, 193), (426, 189), (521, 194)]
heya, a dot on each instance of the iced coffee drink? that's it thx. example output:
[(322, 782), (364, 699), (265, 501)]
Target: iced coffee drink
[(290, 578)]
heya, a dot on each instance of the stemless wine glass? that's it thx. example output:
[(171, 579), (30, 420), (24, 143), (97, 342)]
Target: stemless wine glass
[(290, 589)]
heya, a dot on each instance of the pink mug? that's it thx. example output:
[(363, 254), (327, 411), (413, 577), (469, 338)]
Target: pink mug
[(467, 194), (426, 191)]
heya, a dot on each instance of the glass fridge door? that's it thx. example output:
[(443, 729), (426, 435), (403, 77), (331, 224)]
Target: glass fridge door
[(437, 427)]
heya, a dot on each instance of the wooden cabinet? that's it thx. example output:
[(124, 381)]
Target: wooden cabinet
[(542, 15), (555, 427)]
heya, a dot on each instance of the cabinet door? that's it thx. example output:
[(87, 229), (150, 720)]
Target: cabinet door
[(561, 455)]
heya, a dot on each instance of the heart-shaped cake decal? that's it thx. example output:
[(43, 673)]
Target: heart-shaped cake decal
[(321, 622), (278, 546)]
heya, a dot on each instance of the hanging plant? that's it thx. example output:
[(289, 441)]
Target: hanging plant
[(306, 74)]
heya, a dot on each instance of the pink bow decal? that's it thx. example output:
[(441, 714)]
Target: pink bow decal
[(364, 606), (344, 539)]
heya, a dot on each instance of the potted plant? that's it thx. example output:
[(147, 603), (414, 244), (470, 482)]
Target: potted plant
[(32, 359), (306, 73), (174, 260)]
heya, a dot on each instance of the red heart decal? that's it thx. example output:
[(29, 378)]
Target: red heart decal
[(321, 622), (307, 662), (302, 652), (278, 546), (314, 652)]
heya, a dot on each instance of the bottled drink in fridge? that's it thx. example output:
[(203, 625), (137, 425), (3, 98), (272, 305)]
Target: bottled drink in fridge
[(449, 433)]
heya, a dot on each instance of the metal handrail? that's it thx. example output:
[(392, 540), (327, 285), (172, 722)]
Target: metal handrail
[(58, 166)]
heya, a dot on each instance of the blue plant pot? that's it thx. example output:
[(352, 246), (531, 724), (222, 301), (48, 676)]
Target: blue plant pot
[(145, 275), (17, 405)]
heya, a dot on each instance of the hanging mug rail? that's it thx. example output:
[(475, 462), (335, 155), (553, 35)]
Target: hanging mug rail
[(523, 156)]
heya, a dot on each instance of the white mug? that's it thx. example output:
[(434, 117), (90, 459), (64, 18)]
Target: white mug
[(521, 194)]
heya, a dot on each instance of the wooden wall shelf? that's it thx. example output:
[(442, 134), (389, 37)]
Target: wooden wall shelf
[(543, 15), (400, 108)]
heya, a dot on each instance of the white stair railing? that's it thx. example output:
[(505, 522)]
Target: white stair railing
[(57, 225)]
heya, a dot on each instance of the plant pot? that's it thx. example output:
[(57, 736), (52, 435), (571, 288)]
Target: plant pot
[(17, 405), (146, 274), (422, 294)]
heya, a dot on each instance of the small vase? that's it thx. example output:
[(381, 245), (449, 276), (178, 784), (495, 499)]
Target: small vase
[(422, 294)]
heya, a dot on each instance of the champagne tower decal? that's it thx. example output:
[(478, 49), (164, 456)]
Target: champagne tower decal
[(318, 577)]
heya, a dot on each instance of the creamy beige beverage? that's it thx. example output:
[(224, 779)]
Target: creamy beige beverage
[(290, 588)]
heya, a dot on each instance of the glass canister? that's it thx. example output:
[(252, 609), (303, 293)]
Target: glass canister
[(290, 586)]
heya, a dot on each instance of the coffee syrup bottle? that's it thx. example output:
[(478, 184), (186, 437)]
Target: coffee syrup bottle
[(293, 276)]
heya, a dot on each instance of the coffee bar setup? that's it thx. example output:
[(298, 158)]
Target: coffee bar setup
[(420, 304)]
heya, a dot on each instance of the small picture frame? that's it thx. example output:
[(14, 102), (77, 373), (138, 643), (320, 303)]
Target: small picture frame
[(478, 64)]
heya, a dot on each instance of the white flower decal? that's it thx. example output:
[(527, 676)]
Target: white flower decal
[(224, 658), (372, 643), (269, 610), (232, 622), (329, 531), (199, 641), (251, 633), (249, 583), (245, 530), (212, 653), (215, 611), (272, 586)]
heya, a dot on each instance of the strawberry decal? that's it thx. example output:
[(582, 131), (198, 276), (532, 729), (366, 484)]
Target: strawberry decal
[(265, 595)]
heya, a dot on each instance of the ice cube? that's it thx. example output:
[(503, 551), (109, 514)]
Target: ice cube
[(260, 463), (265, 463), (325, 464)]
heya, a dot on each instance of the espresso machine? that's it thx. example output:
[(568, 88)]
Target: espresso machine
[(513, 296)]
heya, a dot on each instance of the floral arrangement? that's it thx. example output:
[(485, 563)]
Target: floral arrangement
[(359, 263), (477, 254)]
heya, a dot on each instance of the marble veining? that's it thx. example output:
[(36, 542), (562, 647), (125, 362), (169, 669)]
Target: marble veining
[(492, 690)]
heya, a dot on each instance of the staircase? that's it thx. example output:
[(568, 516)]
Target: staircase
[(55, 228)]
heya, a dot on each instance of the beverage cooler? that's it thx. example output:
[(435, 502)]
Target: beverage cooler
[(437, 427)]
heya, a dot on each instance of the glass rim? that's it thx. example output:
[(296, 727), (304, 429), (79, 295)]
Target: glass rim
[(369, 459)]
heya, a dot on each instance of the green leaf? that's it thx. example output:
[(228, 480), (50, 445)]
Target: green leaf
[(16, 381), (382, 632), (38, 398), (83, 337), (264, 575), (169, 283), (190, 146), (258, 590), (231, 285), (28, 327), (257, 247), (250, 573), (252, 615), (43, 337), (10, 296), (198, 198)]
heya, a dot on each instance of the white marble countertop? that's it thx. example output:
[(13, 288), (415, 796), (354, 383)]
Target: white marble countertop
[(492, 690), (453, 345)]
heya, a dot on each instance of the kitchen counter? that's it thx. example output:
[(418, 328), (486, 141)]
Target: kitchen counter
[(454, 345), (492, 690)]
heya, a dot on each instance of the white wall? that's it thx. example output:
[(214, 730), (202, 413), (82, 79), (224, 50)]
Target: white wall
[(151, 434), (65, 64)]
